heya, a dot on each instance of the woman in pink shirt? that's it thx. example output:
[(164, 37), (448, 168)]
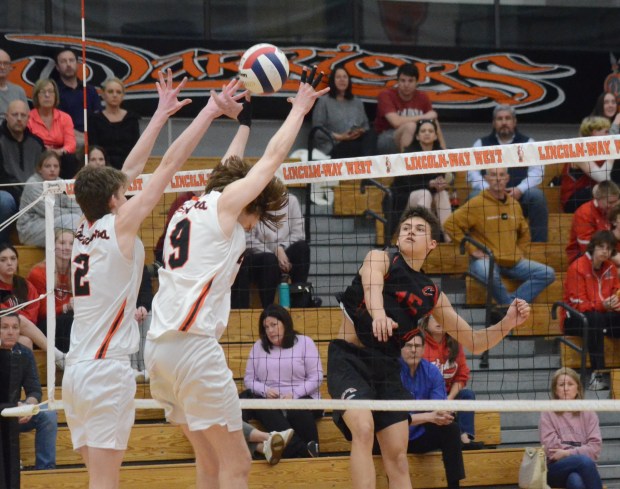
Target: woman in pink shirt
[(285, 365), (572, 440), (54, 127)]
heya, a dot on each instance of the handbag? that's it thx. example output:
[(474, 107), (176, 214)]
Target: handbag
[(301, 294), (533, 470)]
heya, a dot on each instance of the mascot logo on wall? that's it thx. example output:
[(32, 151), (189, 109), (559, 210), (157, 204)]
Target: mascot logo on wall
[(475, 83)]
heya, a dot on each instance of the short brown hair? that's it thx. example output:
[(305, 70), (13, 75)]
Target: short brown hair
[(94, 187), (38, 86), (273, 198), (605, 189), (602, 238), (426, 215)]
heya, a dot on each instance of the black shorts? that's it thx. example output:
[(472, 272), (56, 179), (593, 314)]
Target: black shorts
[(364, 373)]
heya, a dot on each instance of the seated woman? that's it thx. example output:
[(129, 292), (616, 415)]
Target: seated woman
[(285, 365), (572, 440), (607, 106), (114, 128), (343, 116), (15, 290), (63, 294), (426, 190), (578, 179), (448, 356), (271, 254), (67, 213), (54, 127), (591, 286), (97, 156), (435, 429)]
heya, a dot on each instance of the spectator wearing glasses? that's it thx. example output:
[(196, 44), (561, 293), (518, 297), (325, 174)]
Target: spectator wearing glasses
[(524, 180), (8, 91)]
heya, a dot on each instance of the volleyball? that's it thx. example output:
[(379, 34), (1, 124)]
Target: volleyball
[(263, 68)]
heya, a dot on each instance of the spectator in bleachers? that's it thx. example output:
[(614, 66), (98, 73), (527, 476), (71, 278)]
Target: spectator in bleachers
[(429, 190), (67, 213), (607, 106), (114, 128), (63, 292), (434, 429), (71, 94), (524, 181), (15, 290), (271, 254), (25, 376), (494, 218), (572, 439), (591, 217), (97, 156), (19, 152), (448, 356), (53, 126), (284, 364), (399, 108), (591, 286), (578, 179), (8, 91), (343, 116)]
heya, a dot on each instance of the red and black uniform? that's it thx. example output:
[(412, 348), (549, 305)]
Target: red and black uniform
[(408, 296), (373, 372)]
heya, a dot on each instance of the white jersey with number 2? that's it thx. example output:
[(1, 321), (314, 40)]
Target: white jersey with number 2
[(105, 290), (200, 266)]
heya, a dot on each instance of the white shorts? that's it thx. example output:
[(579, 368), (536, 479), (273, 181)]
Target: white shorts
[(190, 378), (98, 397)]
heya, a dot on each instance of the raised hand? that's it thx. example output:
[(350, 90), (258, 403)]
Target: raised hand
[(227, 102), (307, 95), (168, 101)]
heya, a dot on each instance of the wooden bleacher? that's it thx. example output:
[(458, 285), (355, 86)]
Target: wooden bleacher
[(483, 468), (570, 358), (156, 442)]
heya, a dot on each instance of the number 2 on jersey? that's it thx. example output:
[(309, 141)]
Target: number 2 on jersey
[(179, 239), (82, 286)]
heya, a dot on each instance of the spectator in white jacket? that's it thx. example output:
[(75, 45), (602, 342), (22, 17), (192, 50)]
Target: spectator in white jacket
[(272, 253)]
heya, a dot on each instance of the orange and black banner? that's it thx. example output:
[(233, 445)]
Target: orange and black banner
[(463, 84)]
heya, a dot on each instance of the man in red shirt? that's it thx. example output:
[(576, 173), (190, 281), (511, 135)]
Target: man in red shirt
[(592, 217), (399, 109)]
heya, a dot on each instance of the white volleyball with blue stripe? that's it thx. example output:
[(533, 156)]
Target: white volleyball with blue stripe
[(263, 68)]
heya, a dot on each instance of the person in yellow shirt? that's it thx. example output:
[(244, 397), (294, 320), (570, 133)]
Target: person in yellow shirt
[(495, 219)]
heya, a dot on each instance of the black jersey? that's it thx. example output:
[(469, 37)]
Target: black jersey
[(408, 296)]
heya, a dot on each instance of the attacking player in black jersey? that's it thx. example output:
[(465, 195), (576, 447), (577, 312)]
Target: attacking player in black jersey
[(381, 310)]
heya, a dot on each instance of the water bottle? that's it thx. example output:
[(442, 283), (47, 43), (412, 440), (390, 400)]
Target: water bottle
[(285, 293)]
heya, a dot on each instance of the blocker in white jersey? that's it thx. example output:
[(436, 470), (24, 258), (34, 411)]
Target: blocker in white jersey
[(200, 265), (106, 285)]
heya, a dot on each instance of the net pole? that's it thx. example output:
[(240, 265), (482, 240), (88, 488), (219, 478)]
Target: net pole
[(50, 280), (84, 94)]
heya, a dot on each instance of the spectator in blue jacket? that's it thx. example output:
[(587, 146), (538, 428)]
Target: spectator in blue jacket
[(435, 429)]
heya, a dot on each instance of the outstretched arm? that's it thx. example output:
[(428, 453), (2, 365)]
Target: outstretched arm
[(131, 215), (167, 106), (478, 341), (240, 141), (239, 194)]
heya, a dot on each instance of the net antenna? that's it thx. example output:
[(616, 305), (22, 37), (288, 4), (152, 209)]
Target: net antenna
[(84, 93)]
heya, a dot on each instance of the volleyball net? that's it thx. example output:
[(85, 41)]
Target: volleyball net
[(342, 204)]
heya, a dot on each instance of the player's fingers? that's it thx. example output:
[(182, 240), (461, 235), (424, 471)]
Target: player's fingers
[(311, 75), (241, 95), (181, 85), (322, 92), (304, 74), (316, 82)]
